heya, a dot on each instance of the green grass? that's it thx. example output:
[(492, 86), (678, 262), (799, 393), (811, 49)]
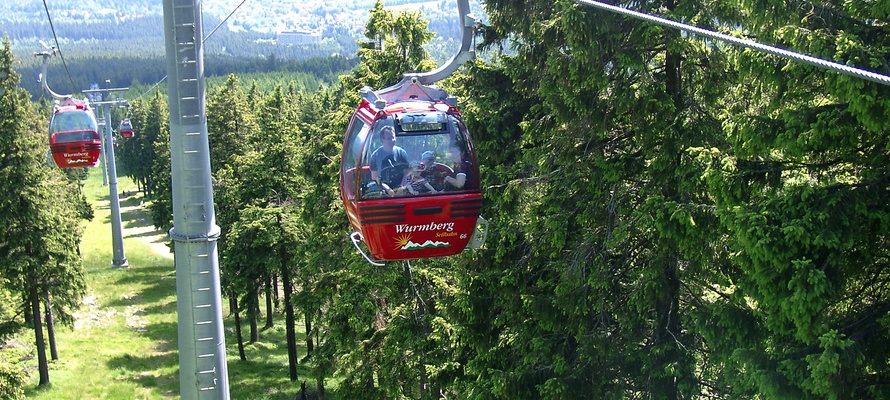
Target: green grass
[(123, 345)]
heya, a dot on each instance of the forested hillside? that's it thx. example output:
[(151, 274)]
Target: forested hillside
[(123, 43), (109, 32), (142, 74), (670, 218)]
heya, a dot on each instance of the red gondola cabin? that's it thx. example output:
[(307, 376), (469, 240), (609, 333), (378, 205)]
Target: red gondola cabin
[(125, 129), (409, 177), (74, 135)]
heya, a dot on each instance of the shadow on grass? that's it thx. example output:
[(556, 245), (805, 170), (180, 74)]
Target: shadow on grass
[(144, 369), (131, 218), (163, 336), (264, 375), (133, 215), (167, 384), (158, 282), (157, 298), (134, 218), (262, 379), (163, 238), (130, 199), (31, 391)]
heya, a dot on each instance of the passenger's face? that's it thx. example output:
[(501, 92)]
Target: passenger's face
[(388, 138)]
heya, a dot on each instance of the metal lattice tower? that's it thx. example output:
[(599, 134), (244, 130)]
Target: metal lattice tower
[(203, 373)]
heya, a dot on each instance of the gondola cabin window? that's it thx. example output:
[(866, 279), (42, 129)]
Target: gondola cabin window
[(80, 136), (429, 156), (355, 140), (73, 121)]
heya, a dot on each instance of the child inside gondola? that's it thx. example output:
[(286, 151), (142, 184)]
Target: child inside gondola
[(413, 182), (433, 171)]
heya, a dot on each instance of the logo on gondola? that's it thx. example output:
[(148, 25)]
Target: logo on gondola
[(404, 243), (432, 226), (82, 154), (78, 161)]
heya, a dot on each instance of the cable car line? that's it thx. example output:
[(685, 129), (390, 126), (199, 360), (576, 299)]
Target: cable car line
[(202, 41), (153, 86), (58, 48), (223, 21), (806, 59)]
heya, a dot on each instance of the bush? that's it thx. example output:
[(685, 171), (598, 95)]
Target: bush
[(12, 381)]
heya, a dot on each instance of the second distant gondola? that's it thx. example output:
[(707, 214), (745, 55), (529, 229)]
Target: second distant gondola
[(125, 129)]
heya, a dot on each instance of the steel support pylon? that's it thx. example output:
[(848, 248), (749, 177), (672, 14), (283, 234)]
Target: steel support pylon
[(203, 373), (119, 258)]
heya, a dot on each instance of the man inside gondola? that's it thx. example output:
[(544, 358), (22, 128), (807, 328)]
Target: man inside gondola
[(388, 160)]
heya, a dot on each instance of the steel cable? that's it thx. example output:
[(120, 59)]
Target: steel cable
[(58, 48), (818, 62)]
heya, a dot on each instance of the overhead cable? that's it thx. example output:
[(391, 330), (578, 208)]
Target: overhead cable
[(202, 41), (818, 62), (58, 48), (223, 21)]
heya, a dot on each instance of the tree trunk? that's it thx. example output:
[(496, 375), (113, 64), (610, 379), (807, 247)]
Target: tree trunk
[(667, 302), (309, 344), (289, 320), (253, 308), (668, 325), (275, 291), (290, 323), (42, 364), (50, 325), (270, 321), (234, 305), (319, 385), (26, 300)]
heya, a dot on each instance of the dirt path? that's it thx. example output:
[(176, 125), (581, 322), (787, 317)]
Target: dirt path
[(135, 223)]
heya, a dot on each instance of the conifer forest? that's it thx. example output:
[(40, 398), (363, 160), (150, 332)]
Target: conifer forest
[(670, 217)]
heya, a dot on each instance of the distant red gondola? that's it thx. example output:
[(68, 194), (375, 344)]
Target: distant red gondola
[(74, 134), (125, 129)]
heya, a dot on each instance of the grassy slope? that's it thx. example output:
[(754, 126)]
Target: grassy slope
[(124, 343)]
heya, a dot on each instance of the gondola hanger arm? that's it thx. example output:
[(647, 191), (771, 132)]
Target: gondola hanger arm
[(46, 54), (419, 85)]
